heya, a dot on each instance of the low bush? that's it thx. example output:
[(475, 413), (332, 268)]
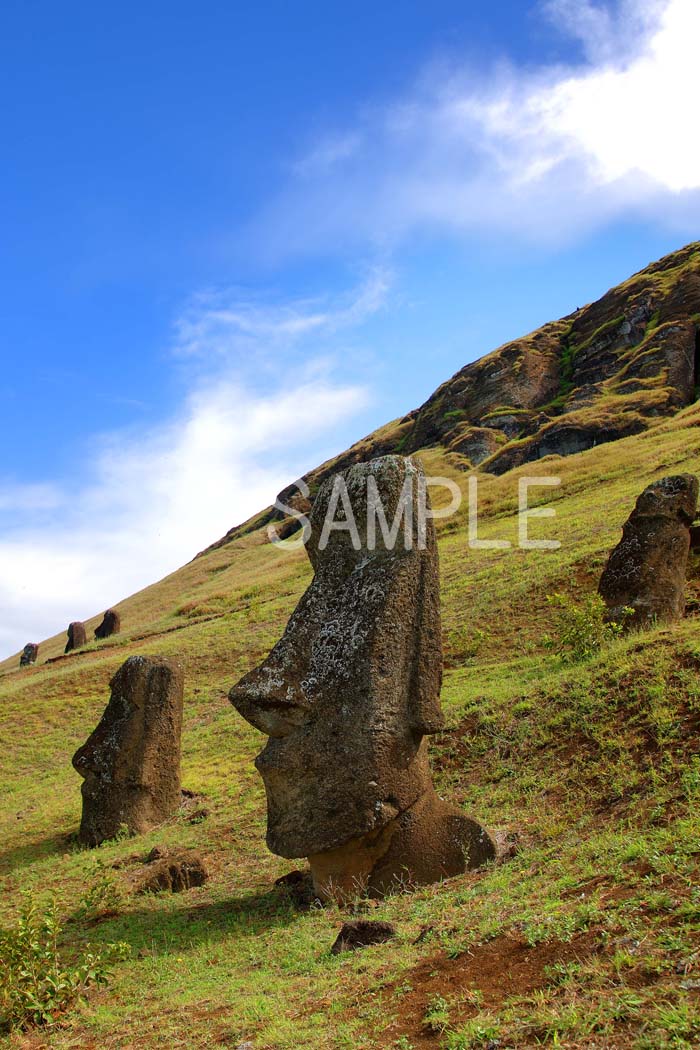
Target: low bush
[(36, 983)]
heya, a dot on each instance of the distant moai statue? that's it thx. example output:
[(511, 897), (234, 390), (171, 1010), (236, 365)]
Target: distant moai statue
[(349, 693), (77, 636), (647, 570), (130, 764), (29, 654), (111, 624)]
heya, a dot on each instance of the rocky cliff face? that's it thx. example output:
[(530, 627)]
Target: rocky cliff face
[(608, 370)]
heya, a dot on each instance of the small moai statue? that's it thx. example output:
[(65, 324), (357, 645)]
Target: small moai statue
[(29, 655), (111, 624), (647, 570), (77, 636), (130, 764)]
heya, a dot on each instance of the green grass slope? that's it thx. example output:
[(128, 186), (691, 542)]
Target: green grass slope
[(588, 936)]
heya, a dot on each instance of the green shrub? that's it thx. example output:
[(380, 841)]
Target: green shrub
[(36, 983), (581, 627)]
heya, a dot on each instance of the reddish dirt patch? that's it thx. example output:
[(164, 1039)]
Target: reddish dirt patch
[(502, 969)]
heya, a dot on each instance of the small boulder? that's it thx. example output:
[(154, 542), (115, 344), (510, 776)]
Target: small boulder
[(171, 871), (362, 933), (111, 624), (646, 572), (77, 636), (29, 654), (299, 886)]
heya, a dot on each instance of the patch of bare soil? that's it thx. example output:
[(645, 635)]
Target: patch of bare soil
[(484, 978)]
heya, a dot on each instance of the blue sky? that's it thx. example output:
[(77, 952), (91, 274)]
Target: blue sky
[(237, 237)]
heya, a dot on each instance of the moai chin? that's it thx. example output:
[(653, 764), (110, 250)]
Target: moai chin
[(351, 690), (130, 764)]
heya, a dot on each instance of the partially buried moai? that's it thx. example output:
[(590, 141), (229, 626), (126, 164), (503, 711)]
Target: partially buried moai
[(131, 763), (29, 655), (646, 572), (111, 624), (77, 636), (349, 692)]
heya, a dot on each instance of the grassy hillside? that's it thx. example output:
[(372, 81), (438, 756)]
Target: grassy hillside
[(588, 936)]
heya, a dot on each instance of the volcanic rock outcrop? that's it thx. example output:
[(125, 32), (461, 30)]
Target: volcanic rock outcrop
[(76, 636), (111, 624), (349, 692), (646, 572), (131, 762), (29, 654), (607, 371)]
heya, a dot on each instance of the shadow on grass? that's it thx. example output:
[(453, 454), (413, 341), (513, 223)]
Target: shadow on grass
[(159, 930), (34, 850)]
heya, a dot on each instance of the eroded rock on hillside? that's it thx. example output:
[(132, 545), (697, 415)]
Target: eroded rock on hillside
[(348, 695), (170, 870), (130, 764), (646, 572)]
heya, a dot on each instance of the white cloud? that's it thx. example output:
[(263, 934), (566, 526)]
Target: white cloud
[(222, 323), (541, 153), (156, 497)]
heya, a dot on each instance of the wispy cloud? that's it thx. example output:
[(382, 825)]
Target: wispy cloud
[(538, 153), (156, 496), (224, 322)]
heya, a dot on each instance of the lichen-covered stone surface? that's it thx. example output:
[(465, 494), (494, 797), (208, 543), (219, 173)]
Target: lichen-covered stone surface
[(77, 636), (130, 764), (646, 572), (347, 696)]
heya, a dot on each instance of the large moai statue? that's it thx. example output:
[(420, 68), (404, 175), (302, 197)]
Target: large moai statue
[(29, 654), (646, 572), (77, 636), (351, 690), (131, 763), (111, 624)]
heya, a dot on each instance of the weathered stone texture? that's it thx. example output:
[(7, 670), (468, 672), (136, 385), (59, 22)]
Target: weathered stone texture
[(131, 762), (646, 572), (348, 695)]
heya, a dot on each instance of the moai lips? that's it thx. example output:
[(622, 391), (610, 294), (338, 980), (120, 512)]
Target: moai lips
[(349, 692)]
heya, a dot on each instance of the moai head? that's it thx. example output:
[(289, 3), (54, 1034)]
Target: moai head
[(77, 636), (130, 764), (29, 654), (111, 624), (351, 689), (646, 572)]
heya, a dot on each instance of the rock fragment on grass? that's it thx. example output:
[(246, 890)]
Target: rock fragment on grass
[(362, 933)]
